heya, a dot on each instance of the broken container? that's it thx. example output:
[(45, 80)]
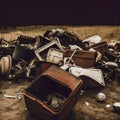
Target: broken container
[(53, 80)]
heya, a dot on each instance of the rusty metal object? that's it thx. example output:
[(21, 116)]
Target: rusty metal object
[(42, 67), (69, 61), (100, 47), (22, 52), (54, 80), (30, 42), (41, 53), (82, 58)]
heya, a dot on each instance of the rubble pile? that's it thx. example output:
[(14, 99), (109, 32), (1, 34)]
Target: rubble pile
[(61, 48), (92, 60)]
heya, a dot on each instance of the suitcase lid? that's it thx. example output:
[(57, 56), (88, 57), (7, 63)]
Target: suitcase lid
[(63, 77), (81, 54)]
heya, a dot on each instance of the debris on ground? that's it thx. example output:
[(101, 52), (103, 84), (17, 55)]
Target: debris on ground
[(116, 107), (91, 61), (101, 97)]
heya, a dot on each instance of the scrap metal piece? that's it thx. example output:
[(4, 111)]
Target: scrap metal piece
[(69, 60), (117, 60), (54, 32), (114, 44), (18, 70), (75, 47), (55, 56), (66, 38), (108, 56), (101, 97), (90, 76), (111, 64), (5, 64), (22, 52), (6, 47), (116, 107), (109, 74), (99, 55), (100, 47), (29, 69), (65, 67), (93, 39), (43, 40), (42, 67), (53, 80), (30, 42), (10, 96), (41, 53), (18, 96), (82, 58)]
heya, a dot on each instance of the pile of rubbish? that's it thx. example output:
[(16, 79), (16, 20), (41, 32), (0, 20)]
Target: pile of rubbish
[(82, 58), (92, 60)]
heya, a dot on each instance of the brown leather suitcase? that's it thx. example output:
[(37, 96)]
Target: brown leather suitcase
[(83, 58), (53, 80), (101, 47)]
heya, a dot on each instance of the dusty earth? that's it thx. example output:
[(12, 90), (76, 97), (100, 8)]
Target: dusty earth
[(14, 109)]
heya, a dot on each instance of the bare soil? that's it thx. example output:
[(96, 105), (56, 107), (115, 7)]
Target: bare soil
[(12, 109)]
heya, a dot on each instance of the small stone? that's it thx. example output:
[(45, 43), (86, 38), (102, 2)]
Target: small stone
[(87, 103), (101, 97), (108, 106)]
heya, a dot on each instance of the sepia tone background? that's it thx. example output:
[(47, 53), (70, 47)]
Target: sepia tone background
[(83, 17)]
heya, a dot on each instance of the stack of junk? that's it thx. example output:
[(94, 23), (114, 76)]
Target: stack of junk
[(60, 65)]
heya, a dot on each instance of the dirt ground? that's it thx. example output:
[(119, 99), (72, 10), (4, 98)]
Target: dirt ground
[(12, 109)]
